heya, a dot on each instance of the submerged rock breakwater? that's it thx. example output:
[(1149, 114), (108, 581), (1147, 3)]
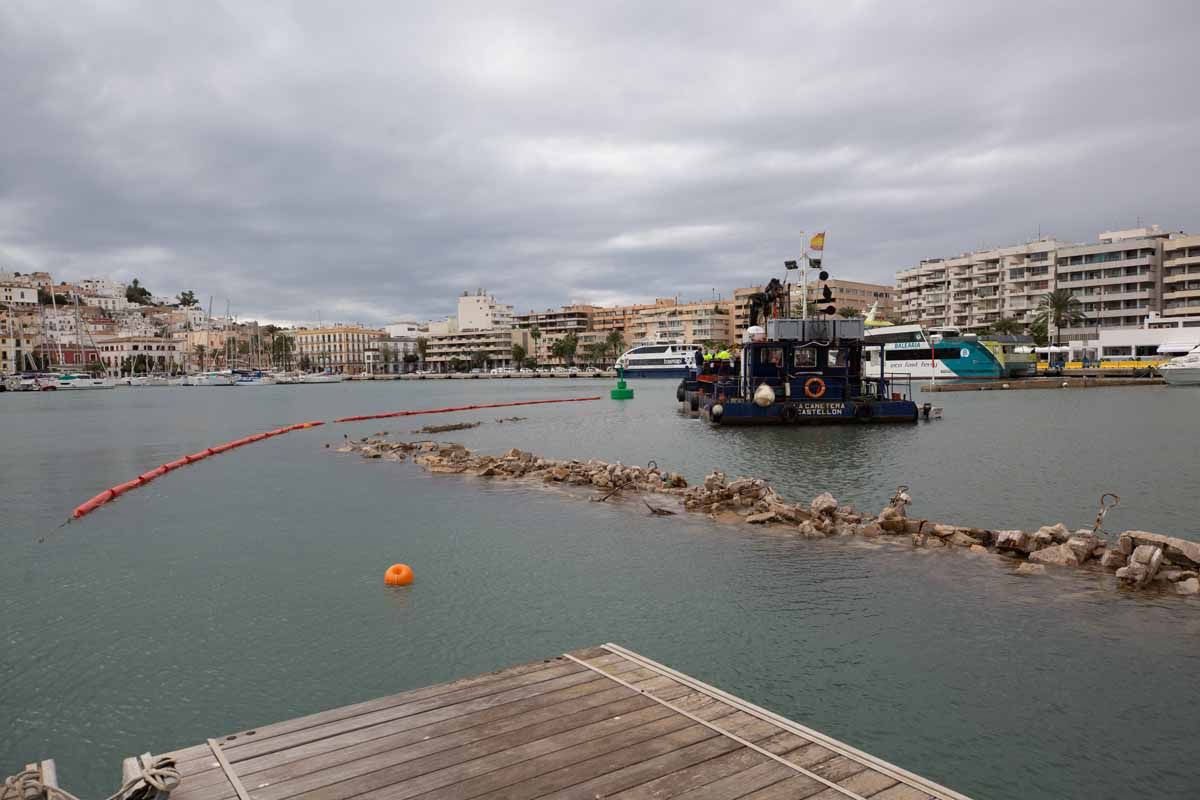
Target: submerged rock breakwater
[(1138, 559)]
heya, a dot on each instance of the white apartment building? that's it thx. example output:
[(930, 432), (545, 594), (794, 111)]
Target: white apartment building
[(973, 290), (690, 323), (1181, 276), (494, 346), (481, 312), (341, 348), (1119, 281), (405, 328), (118, 303), (390, 355), (552, 326), (18, 294), (101, 287), (158, 355)]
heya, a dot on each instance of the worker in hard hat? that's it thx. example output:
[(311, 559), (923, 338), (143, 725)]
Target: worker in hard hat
[(724, 361)]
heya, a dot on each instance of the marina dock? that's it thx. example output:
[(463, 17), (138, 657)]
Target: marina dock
[(1065, 382), (598, 722)]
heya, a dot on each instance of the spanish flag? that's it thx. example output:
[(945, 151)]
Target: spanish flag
[(818, 241)]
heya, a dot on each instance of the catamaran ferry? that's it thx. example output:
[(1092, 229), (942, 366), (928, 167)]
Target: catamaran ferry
[(948, 353), (660, 360)]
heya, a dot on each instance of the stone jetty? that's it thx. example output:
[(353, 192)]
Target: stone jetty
[(1139, 559)]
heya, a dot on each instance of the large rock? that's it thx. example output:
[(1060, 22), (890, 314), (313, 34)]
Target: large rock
[(1143, 564), (824, 504), (1057, 532), (714, 480), (1189, 586), (760, 519), (1181, 551), (1018, 541), (961, 539), (1060, 555), (1083, 543), (1114, 559), (1030, 569)]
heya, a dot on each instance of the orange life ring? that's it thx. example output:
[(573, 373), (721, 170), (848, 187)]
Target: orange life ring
[(398, 575), (816, 393)]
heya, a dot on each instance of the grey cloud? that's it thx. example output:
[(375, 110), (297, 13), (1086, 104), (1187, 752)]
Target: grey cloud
[(368, 161)]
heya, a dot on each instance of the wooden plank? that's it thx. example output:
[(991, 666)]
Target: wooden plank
[(492, 694), (428, 756), (512, 675), (838, 768), (800, 787), (901, 791), (753, 779), (590, 652), (454, 766), (465, 728), (705, 772), (569, 768), (325, 753), (868, 782)]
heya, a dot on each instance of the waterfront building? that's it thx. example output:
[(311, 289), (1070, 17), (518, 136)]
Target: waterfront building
[(18, 294), (484, 349), (1118, 280), (442, 327), (405, 328), (159, 355), (339, 348), (553, 326), (481, 311), (973, 290), (391, 355), (18, 342), (686, 323), (1181, 276), (857, 295)]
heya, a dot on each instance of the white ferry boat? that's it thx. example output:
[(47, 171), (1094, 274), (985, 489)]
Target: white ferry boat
[(948, 353), (671, 360)]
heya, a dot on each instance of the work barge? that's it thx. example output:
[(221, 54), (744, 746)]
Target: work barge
[(601, 722)]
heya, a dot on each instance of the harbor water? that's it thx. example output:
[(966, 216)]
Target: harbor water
[(247, 588)]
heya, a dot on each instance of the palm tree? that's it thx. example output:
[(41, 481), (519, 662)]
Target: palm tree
[(535, 333), (1007, 326), (596, 352), (565, 348), (518, 356), (615, 341), (846, 312), (200, 351), (1059, 308)]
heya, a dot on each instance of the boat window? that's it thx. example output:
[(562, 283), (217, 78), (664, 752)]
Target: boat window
[(651, 349), (804, 357), (772, 356), (943, 354), (838, 356)]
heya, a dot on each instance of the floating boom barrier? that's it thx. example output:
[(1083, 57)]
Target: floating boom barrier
[(390, 414), (113, 493), (108, 495)]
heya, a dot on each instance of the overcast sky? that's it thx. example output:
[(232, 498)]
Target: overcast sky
[(368, 161)]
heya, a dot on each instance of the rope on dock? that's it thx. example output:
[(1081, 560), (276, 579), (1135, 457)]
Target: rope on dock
[(156, 779)]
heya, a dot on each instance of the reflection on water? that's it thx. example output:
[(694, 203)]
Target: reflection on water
[(248, 588)]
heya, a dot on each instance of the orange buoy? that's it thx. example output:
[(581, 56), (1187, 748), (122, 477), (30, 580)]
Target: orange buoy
[(398, 575)]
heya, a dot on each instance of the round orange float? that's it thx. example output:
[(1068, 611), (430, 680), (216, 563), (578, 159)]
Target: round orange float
[(398, 575)]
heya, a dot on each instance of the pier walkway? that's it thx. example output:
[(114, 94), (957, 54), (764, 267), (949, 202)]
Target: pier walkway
[(600, 722)]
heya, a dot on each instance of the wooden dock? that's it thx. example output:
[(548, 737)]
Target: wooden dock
[(600, 722), (1039, 383)]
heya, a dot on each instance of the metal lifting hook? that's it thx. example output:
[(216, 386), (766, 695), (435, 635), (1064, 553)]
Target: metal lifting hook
[(1105, 506), (901, 498)]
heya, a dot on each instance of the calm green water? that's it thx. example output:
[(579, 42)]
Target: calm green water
[(248, 589)]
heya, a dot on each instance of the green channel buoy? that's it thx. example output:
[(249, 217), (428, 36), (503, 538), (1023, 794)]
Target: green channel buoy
[(622, 392)]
